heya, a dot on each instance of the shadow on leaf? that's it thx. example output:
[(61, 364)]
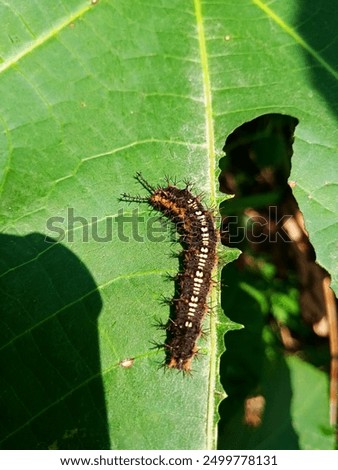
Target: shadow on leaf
[(51, 390)]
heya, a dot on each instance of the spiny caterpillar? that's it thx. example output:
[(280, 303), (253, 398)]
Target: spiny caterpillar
[(198, 237)]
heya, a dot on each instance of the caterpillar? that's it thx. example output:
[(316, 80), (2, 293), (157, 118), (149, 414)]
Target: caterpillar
[(198, 237)]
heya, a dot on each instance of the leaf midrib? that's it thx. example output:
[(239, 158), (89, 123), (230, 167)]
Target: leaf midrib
[(210, 139)]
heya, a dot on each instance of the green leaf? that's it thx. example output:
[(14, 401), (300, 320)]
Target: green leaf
[(275, 400), (90, 94)]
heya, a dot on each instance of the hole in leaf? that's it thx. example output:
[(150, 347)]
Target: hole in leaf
[(275, 288)]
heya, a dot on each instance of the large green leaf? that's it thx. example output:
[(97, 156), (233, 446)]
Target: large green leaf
[(90, 94)]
